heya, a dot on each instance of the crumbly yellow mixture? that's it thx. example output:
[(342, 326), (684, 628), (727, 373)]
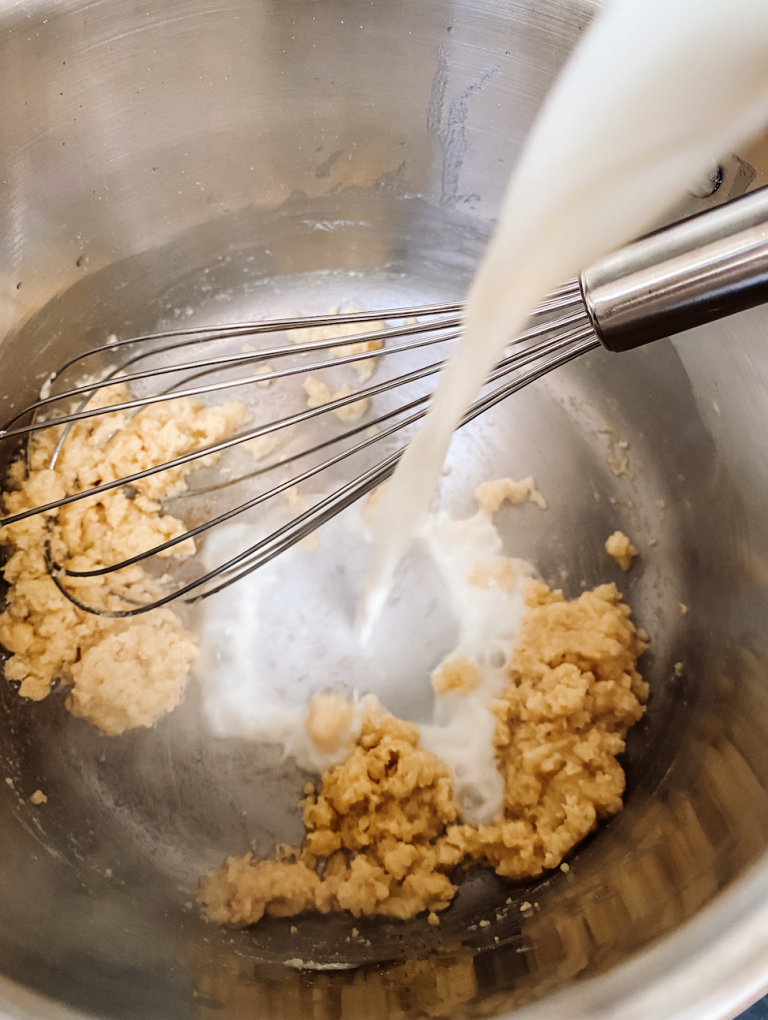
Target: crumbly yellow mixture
[(384, 822), (619, 547), (319, 393), (261, 446), (314, 334), (574, 692), (266, 370), (375, 824), (122, 673), (497, 573), (329, 722), (491, 495), (459, 676)]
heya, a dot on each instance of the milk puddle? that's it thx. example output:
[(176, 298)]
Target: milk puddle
[(285, 634)]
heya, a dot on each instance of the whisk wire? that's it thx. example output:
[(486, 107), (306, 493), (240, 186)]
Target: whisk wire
[(220, 447), (560, 331), (560, 350), (332, 505), (211, 365), (566, 296)]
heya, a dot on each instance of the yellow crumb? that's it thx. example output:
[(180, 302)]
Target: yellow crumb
[(261, 446), (264, 370), (319, 393), (683, 608), (310, 542), (498, 573), (38, 797), (491, 495), (122, 673), (384, 806), (620, 549), (619, 464), (130, 678), (314, 334), (432, 918), (353, 411), (242, 890), (329, 722), (294, 497), (385, 822), (459, 676), (372, 503), (618, 461)]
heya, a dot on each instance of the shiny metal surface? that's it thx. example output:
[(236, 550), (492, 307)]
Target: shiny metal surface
[(198, 163), (691, 273)]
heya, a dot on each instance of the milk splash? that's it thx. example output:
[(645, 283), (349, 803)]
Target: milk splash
[(655, 90)]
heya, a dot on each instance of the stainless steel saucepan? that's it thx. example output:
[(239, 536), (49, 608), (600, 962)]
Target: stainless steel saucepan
[(181, 160)]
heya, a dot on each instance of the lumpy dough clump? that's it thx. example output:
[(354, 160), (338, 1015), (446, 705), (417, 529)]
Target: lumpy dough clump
[(375, 823), (384, 822), (122, 673), (619, 547), (574, 691), (492, 495)]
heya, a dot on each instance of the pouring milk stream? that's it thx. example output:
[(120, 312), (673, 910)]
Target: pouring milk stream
[(655, 91)]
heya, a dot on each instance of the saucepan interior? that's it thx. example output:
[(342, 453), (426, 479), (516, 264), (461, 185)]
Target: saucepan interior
[(184, 164)]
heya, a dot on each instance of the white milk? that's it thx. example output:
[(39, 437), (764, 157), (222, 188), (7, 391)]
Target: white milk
[(285, 633), (654, 92), (489, 618)]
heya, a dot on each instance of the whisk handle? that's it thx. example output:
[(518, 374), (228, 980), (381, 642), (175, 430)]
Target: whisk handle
[(703, 268)]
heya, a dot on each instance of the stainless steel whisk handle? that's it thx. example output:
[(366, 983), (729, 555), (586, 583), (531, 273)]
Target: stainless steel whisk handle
[(703, 268)]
